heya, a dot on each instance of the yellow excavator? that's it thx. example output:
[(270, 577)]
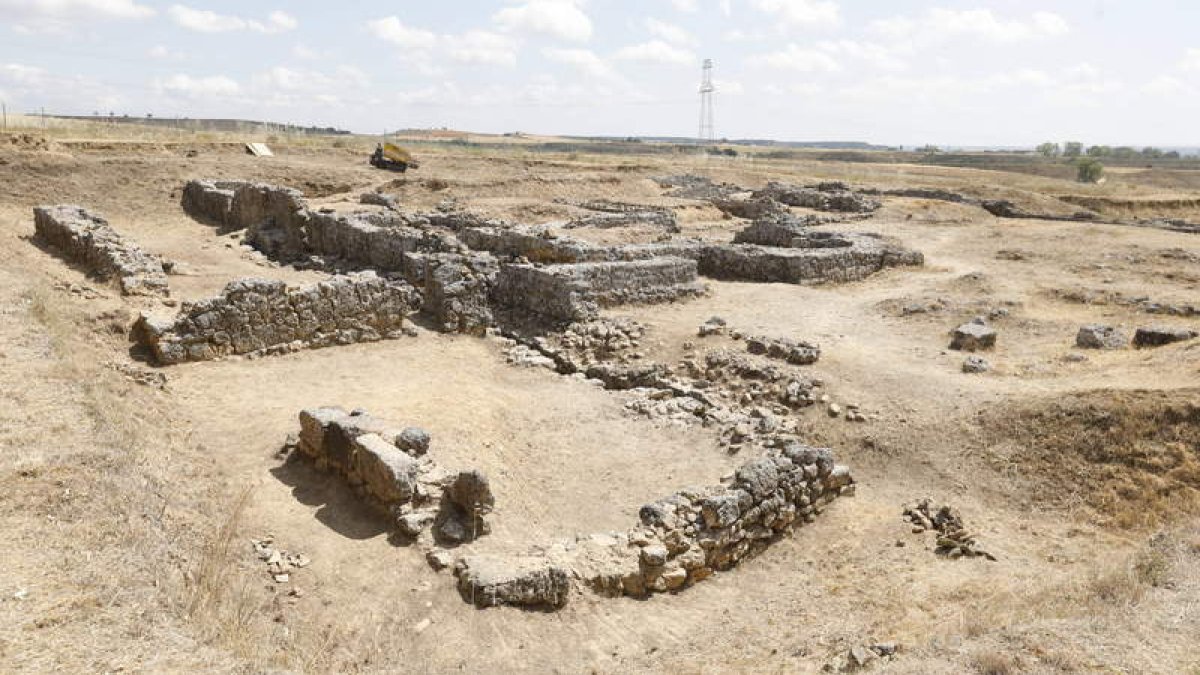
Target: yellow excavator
[(393, 158)]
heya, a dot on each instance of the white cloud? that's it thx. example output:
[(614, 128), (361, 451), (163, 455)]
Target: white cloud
[(57, 16), (186, 86), (669, 32), (483, 47), (207, 21), (685, 5), (794, 57), (726, 7), (17, 73), (801, 13), (729, 87), (561, 19), (1168, 86), (657, 51), (938, 24), (164, 52), (876, 55), (390, 29), (1191, 60), (584, 59)]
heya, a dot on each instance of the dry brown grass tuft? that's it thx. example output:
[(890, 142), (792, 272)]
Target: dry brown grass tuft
[(992, 662), (1132, 456)]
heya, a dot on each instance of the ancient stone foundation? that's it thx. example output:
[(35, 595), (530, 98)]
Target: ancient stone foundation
[(823, 258), (87, 239), (681, 539), (574, 292), (258, 316), (388, 467), (211, 200)]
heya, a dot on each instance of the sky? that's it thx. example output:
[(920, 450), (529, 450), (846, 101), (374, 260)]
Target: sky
[(893, 72)]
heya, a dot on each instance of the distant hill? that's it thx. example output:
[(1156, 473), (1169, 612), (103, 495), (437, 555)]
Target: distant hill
[(195, 124)]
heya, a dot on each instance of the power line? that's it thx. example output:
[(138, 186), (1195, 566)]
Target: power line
[(707, 133)]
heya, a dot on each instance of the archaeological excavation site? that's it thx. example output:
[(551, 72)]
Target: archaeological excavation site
[(544, 410)]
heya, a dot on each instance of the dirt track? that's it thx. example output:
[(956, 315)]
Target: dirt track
[(128, 483)]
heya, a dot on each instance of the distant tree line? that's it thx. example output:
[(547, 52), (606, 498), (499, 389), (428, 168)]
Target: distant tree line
[(1073, 149)]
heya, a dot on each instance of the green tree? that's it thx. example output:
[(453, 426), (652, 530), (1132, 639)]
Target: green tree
[(1090, 170), (1072, 149), (1099, 151), (1048, 149)]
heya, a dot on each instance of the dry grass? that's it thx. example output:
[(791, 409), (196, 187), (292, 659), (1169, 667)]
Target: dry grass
[(1130, 455), (994, 663)]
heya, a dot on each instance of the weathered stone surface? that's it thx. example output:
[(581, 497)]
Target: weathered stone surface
[(388, 474), (973, 336), (1096, 336), (457, 289), (87, 239), (1157, 336), (258, 316), (522, 582), (752, 208)]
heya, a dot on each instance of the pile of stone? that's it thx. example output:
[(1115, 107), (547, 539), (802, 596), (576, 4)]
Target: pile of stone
[(831, 196), (390, 202), (975, 335), (389, 468), (715, 325), (1157, 336), (796, 352), (1097, 336), (88, 240), (751, 208), (260, 317), (280, 564), (953, 539)]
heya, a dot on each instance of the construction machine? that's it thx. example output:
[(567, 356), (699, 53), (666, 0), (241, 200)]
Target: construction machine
[(393, 158)]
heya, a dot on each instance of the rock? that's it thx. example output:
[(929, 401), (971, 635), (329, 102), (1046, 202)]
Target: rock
[(414, 441), (525, 582), (654, 555), (1096, 336), (834, 410), (439, 559), (388, 474), (976, 364), (861, 657), (973, 336), (413, 524), (472, 493), (1156, 336)]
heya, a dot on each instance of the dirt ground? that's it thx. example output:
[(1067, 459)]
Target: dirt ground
[(128, 509)]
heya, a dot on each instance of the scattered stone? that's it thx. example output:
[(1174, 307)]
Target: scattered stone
[(714, 326), (973, 336), (793, 351), (953, 541), (439, 559), (976, 364), (1096, 336), (1157, 336)]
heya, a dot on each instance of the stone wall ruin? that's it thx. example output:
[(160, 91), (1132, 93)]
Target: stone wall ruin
[(88, 239), (389, 467), (259, 316)]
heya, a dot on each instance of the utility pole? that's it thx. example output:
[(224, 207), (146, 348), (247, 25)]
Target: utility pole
[(43, 117), (4, 109), (706, 135)]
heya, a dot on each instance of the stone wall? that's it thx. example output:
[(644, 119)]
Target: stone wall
[(574, 292), (211, 201), (258, 316), (388, 466), (826, 258), (88, 240), (680, 540)]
